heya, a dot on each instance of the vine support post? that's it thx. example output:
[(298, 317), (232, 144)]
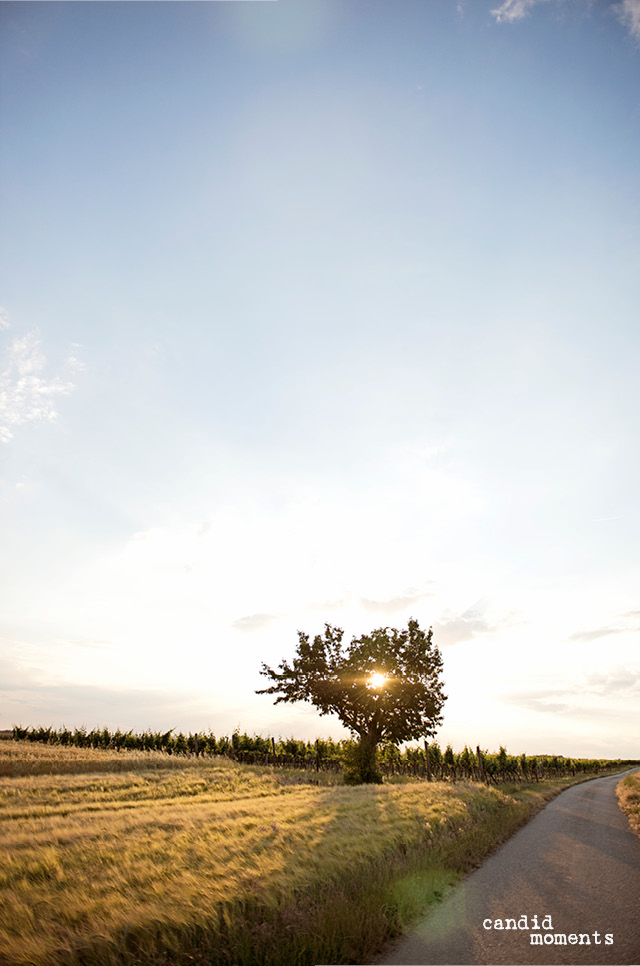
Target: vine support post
[(426, 752), (483, 777)]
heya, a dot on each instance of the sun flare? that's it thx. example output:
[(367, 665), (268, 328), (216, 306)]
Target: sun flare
[(377, 680)]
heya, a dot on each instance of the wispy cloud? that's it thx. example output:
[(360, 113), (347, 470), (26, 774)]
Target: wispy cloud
[(617, 681), (513, 10), (27, 394), (596, 633), (607, 630), (462, 628), (617, 684), (97, 645), (26, 700), (628, 13), (394, 603), (543, 701), (254, 622)]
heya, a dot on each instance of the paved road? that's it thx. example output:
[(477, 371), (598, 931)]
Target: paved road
[(577, 861)]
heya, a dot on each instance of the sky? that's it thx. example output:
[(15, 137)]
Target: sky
[(321, 311)]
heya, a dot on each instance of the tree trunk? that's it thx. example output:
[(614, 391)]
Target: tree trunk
[(360, 761)]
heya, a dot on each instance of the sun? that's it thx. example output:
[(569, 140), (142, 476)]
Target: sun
[(377, 680)]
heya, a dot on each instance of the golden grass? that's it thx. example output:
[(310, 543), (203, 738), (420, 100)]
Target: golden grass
[(628, 792), (208, 861), (33, 758)]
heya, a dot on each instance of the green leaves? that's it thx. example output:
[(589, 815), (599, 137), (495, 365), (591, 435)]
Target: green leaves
[(335, 679)]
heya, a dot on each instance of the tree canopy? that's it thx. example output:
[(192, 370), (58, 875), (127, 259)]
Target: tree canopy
[(384, 686)]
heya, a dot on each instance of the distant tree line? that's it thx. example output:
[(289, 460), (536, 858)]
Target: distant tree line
[(428, 762)]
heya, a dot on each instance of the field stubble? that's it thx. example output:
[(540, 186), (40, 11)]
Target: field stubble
[(116, 860)]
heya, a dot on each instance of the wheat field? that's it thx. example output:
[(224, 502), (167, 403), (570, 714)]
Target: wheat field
[(208, 861)]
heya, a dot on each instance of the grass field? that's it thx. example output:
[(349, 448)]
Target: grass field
[(21, 758), (143, 858), (628, 791)]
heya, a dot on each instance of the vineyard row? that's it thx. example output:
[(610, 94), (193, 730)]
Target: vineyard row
[(428, 761)]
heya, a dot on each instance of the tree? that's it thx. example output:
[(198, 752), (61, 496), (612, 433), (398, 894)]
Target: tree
[(385, 686)]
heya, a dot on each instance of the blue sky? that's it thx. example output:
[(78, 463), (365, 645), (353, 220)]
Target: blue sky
[(321, 312)]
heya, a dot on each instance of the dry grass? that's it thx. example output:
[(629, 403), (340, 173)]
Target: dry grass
[(628, 792), (212, 862), (32, 758)]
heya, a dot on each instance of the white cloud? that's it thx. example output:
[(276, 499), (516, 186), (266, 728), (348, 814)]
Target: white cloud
[(460, 629), (394, 604), (27, 394), (512, 10), (542, 701), (613, 682), (29, 698), (239, 579), (628, 13), (254, 622), (604, 691), (470, 624), (4, 321), (596, 634), (606, 630)]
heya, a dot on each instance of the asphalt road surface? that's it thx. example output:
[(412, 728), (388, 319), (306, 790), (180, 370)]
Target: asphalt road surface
[(577, 862)]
